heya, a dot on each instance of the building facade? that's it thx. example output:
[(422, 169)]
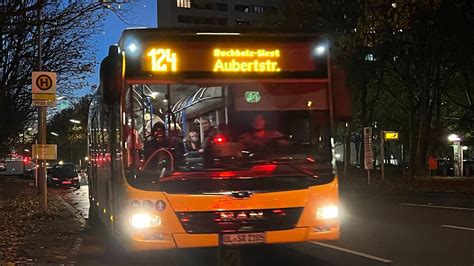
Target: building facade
[(217, 13)]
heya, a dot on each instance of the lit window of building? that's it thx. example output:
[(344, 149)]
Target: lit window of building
[(369, 57), (183, 3)]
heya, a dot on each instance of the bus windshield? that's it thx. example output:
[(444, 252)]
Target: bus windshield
[(242, 130)]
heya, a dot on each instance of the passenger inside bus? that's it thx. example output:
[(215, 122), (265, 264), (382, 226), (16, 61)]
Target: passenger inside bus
[(207, 128), (135, 146), (192, 142)]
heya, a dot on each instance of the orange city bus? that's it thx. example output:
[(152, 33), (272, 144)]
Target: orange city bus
[(206, 139)]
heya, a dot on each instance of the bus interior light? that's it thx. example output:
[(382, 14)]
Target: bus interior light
[(219, 33), (219, 139)]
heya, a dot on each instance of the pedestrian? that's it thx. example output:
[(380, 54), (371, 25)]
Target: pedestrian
[(432, 165)]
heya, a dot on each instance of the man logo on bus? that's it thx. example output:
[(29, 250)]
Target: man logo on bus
[(252, 96)]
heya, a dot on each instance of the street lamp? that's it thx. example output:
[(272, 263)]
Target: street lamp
[(54, 134), (74, 121), (454, 138), (320, 50)]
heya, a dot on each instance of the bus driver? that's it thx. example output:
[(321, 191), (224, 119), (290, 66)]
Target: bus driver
[(260, 136), (158, 140)]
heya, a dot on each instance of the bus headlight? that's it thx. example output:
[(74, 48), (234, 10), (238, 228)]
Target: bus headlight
[(327, 212), (144, 220)]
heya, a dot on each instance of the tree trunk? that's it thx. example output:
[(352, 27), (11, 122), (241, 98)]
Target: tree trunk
[(411, 147)]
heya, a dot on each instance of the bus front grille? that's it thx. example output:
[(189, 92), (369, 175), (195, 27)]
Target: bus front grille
[(239, 220)]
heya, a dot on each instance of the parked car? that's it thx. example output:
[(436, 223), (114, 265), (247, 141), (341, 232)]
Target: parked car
[(49, 171), (2, 165), (29, 174), (65, 175)]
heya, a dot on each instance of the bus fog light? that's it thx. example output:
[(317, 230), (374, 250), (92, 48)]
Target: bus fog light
[(144, 220), (327, 212)]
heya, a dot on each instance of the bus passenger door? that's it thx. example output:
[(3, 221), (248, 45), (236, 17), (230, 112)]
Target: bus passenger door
[(103, 166)]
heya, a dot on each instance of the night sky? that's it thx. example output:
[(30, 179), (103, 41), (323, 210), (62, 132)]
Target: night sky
[(142, 14)]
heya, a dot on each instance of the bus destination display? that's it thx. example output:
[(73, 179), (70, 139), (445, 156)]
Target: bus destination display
[(248, 59)]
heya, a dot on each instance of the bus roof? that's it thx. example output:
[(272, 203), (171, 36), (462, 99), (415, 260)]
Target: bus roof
[(145, 33), (179, 54)]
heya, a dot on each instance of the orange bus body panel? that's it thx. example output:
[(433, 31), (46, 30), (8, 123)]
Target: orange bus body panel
[(174, 236)]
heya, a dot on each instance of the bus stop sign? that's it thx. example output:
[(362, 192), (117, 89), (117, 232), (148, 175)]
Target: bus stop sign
[(368, 152), (44, 152), (43, 85)]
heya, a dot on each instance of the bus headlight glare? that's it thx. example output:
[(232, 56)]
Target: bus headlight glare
[(144, 220), (327, 212)]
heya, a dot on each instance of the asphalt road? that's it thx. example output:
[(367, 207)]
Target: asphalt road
[(376, 230)]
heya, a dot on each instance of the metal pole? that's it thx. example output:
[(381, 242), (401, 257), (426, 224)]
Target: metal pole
[(168, 112), (368, 176), (461, 161), (330, 96), (201, 129), (382, 155), (42, 113), (226, 110)]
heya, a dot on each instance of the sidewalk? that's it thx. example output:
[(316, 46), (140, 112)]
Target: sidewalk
[(28, 235), (450, 186)]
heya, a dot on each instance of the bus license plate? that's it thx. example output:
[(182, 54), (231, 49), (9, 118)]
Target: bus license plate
[(242, 239)]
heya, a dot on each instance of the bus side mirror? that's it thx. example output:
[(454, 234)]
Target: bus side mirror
[(111, 76)]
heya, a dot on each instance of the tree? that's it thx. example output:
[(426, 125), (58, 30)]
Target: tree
[(66, 31), (405, 54), (70, 138)]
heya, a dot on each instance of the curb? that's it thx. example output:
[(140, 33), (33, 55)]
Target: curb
[(425, 193), (432, 193), (72, 210)]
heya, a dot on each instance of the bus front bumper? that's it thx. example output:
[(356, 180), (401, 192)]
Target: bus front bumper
[(142, 241)]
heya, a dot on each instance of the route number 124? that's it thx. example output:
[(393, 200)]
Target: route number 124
[(163, 60)]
